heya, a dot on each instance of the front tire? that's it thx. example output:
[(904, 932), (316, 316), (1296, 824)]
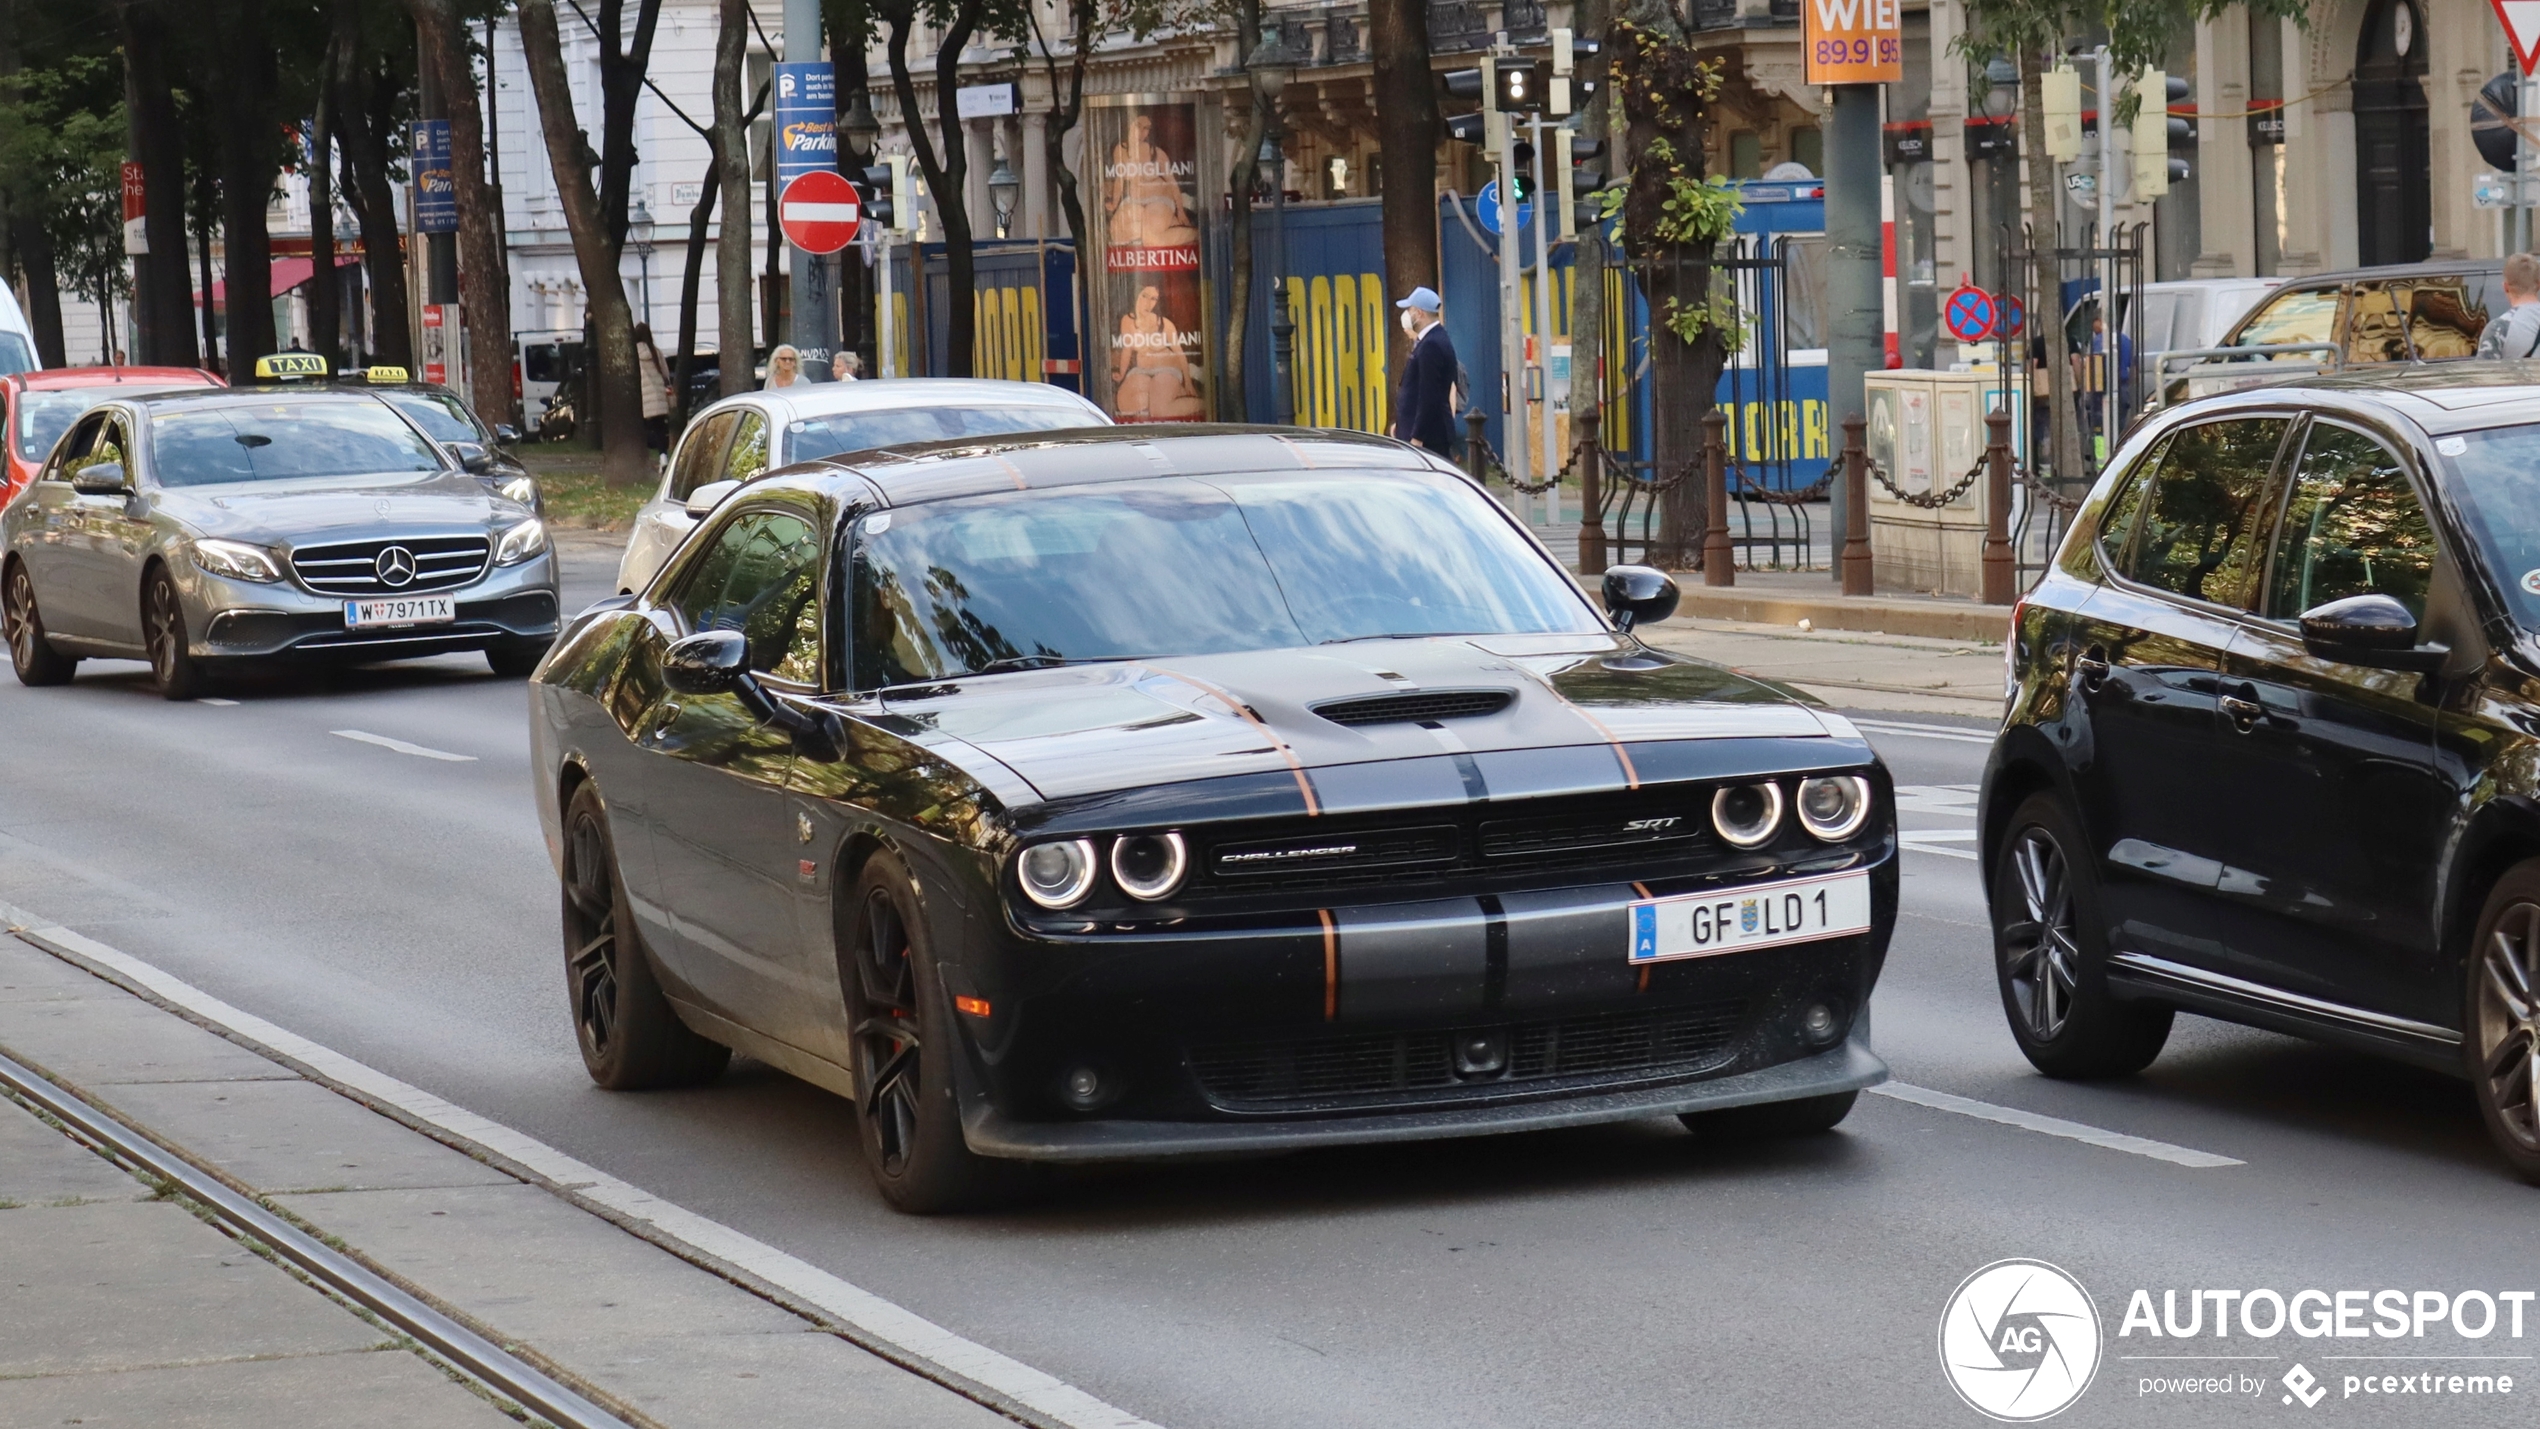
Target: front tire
[(1772, 1121), (31, 653), (173, 668), (2051, 956), (907, 1114), (631, 1038), (2502, 1051)]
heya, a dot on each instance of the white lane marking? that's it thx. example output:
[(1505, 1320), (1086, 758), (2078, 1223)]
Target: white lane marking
[(1939, 835), (1953, 799), (2053, 1126), (399, 745), (1923, 731), (909, 1335), (1907, 840), (213, 700)]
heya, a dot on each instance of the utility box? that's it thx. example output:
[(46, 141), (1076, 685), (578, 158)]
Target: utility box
[(1926, 432)]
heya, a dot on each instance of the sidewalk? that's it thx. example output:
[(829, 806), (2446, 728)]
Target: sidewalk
[(124, 1307)]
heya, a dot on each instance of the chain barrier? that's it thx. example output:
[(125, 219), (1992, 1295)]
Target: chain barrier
[(1749, 489), (2060, 504), (1929, 500), (1493, 467)]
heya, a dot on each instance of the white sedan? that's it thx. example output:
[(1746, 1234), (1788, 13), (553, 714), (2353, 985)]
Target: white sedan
[(740, 438)]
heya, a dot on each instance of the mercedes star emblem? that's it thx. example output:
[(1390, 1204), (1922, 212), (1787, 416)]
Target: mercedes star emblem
[(396, 567)]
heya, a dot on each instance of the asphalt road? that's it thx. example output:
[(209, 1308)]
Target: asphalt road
[(400, 908)]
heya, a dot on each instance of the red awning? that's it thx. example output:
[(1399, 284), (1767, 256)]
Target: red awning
[(288, 273)]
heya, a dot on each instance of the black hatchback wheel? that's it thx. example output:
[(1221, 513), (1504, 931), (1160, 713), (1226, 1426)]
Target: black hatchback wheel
[(906, 1108), (631, 1037), (2503, 1048), (173, 668), (31, 654), (2050, 958)]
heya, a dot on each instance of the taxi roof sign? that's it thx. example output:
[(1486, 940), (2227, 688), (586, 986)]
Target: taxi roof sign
[(386, 375), (286, 365)]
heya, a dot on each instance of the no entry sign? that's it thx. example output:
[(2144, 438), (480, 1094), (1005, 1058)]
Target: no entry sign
[(819, 212)]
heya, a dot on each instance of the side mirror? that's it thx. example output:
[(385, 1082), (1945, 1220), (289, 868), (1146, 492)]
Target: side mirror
[(2373, 631), (471, 455), (703, 500), (505, 434), (106, 478), (1636, 595), (710, 662)]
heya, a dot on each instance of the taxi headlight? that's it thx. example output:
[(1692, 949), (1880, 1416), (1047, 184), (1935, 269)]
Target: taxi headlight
[(521, 542), (1057, 875), (1834, 806), (523, 489), (1747, 815), (1148, 866), (236, 560)]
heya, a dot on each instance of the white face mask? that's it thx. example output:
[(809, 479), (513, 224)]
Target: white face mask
[(1409, 328)]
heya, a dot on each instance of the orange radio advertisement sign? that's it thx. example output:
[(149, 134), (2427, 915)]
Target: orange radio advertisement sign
[(1854, 41)]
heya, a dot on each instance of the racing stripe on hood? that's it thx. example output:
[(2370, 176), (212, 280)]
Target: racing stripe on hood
[(1304, 784)]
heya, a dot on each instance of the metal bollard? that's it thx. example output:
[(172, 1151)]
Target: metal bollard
[(1591, 493), (1473, 424), (1856, 508), (2001, 576), (1719, 562)]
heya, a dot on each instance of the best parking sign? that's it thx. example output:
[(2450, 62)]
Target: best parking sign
[(1853, 41)]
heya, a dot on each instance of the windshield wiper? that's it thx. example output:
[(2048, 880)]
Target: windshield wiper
[(1022, 662), (1406, 635)]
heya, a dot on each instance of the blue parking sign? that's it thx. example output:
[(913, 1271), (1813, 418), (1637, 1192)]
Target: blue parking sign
[(806, 119)]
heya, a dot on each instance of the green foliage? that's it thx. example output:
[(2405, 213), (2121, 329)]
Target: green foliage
[(61, 163), (2140, 32)]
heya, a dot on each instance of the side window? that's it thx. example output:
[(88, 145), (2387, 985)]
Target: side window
[(2444, 319), (762, 578), (2196, 539), (2352, 526), (2118, 524), (90, 444), (2374, 330), (2306, 315), (749, 448), (700, 455)]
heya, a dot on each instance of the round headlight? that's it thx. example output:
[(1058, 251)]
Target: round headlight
[(1834, 806), (1747, 814), (1058, 875), (1148, 866)]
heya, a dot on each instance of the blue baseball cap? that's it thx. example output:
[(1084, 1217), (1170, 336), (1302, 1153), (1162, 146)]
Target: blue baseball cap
[(1425, 299)]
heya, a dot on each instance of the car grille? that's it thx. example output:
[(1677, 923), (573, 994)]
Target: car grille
[(1414, 708), (1377, 1065), (354, 567), (1633, 834)]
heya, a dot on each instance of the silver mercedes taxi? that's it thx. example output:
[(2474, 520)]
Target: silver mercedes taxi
[(199, 529)]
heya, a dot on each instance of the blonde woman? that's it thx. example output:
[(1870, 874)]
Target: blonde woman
[(784, 367)]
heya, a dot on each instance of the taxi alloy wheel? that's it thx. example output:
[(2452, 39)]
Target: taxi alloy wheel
[(630, 1036), (173, 667), (2050, 959), (2503, 1016), (33, 656)]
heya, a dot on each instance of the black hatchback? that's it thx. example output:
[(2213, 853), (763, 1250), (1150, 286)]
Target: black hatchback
[(2272, 745)]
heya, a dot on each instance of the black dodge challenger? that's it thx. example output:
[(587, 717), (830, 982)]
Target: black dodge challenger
[(1134, 792)]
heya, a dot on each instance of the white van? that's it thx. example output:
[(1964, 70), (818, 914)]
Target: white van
[(17, 337)]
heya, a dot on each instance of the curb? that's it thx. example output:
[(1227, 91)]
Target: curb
[(1887, 615)]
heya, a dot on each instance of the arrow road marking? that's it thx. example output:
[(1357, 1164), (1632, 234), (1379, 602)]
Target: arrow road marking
[(2053, 1126), (399, 745)]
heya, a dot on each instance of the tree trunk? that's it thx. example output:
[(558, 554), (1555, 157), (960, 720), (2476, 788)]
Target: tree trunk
[(368, 106), (621, 85), (250, 152), (206, 212), (2046, 286), (1245, 124), (1587, 272), (326, 318), (34, 243), (947, 177), (624, 458), (484, 268), (698, 218), (164, 304), (1407, 134), (732, 245)]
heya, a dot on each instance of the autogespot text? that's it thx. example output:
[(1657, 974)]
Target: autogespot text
[(2453, 1342)]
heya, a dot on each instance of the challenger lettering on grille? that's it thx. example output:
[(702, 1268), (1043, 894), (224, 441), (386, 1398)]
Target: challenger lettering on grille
[(1266, 855)]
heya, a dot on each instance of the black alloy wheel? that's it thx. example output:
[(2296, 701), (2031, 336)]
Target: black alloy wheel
[(631, 1037), (906, 1110), (2502, 1050), (2051, 959), (173, 668), (30, 653)]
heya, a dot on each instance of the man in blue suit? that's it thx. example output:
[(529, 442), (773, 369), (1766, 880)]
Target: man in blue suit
[(1424, 410)]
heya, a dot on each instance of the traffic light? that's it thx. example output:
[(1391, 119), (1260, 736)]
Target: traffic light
[(1462, 83), (1520, 171), (873, 190), (2159, 134), (1518, 86), (1467, 128), (1568, 53), (1581, 180)]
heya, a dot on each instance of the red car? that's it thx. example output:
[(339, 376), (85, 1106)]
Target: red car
[(39, 406)]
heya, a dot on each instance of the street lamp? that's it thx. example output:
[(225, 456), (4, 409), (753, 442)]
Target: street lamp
[(1001, 190), (1272, 65)]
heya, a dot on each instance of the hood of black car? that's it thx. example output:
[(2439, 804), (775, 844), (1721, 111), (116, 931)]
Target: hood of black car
[(1093, 728)]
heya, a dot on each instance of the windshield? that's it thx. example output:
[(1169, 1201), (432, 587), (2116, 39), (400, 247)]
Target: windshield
[(816, 437), (437, 413), (1184, 567), (2306, 316), (44, 416), (275, 441), (16, 356), (2500, 504)]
